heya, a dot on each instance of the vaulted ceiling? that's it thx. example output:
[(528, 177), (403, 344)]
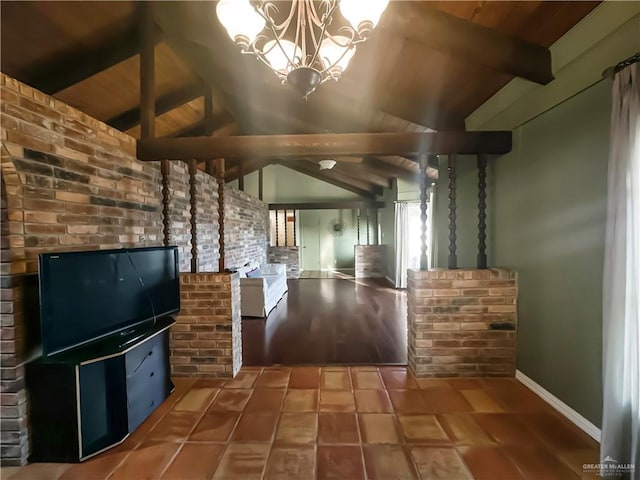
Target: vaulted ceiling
[(428, 65)]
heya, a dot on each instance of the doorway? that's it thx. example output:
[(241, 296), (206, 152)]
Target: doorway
[(310, 241), (327, 239)]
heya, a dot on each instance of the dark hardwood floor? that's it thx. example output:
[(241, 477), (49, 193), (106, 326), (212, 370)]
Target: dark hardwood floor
[(330, 321)]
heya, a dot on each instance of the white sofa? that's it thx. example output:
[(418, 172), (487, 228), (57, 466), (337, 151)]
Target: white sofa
[(262, 292)]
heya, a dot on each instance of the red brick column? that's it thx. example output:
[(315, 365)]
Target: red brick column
[(207, 338), (453, 316)]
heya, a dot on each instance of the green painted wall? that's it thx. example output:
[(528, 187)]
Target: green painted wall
[(325, 249), (549, 226), (281, 184), (547, 210), (408, 190), (546, 205), (322, 248)]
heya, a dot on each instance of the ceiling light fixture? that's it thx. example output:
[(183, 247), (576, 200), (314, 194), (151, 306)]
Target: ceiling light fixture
[(327, 164), (299, 47)]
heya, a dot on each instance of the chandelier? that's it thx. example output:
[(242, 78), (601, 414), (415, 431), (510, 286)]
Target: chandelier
[(299, 47)]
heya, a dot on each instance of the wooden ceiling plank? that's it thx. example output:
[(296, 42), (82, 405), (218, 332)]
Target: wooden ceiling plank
[(317, 174), (399, 143), (383, 168), (239, 80), (209, 122), (83, 63), (164, 104), (470, 41), (256, 99), (221, 124), (147, 73), (358, 171), (399, 106)]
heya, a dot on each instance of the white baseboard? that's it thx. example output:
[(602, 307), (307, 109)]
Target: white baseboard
[(581, 422)]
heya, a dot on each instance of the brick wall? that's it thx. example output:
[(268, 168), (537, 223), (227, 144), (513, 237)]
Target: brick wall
[(246, 222), (207, 339), (69, 183), (13, 400), (206, 217), (450, 313), (207, 222), (246, 228), (179, 228), (370, 261), (290, 256)]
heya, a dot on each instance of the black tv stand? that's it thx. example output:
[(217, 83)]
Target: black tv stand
[(86, 400)]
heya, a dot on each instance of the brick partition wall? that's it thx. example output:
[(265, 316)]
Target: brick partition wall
[(207, 338), (370, 261), (13, 406), (206, 217), (450, 316), (70, 182), (290, 256), (246, 228)]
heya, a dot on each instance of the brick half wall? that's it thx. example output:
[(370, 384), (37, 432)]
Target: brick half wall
[(290, 256), (452, 316), (371, 261), (207, 337)]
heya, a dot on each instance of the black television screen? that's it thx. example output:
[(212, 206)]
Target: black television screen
[(85, 296)]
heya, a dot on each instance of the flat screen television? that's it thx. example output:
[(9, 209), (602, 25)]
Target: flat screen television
[(86, 296)]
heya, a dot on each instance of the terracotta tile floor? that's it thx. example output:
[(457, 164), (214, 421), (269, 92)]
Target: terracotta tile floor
[(341, 423)]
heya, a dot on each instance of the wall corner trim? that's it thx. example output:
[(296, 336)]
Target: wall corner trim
[(575, 418)]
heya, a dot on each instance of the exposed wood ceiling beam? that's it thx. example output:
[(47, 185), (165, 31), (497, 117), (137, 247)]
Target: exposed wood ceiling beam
[(401, 143), (469, 41), (248, 167), (336, 205), (312, 171), (164, 104), (58, 74), (229, 82), (412, 171)]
